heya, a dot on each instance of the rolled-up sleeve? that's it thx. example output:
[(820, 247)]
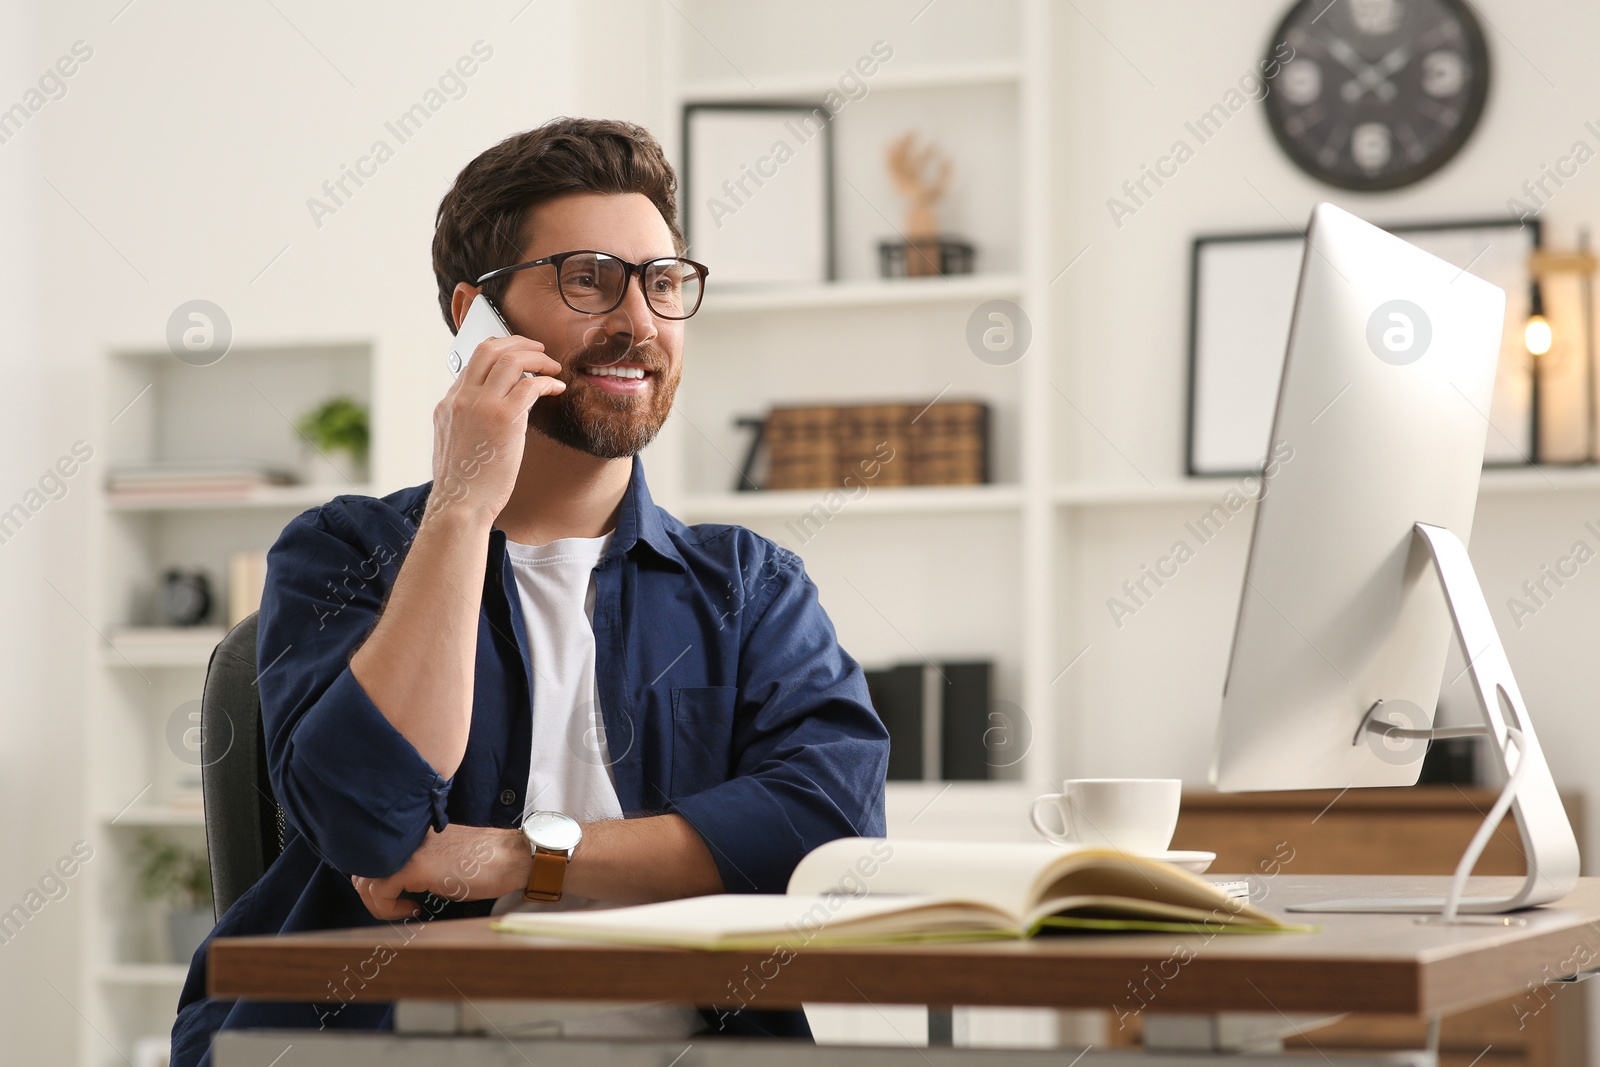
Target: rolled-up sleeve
[(810, 752), (347, 779)]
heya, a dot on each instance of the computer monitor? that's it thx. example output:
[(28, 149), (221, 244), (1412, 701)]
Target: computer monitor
[(1357, 565)]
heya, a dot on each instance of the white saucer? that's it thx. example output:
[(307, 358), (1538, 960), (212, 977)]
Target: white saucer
[(1193, 862)]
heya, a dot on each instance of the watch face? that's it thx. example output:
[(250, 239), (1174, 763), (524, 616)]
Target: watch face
[(1376, 94), (552, 830)]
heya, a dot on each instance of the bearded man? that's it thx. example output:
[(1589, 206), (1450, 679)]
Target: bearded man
[(523, 684)]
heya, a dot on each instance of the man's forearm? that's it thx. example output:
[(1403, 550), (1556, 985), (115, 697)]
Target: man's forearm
[(632, 861), (417, 664)]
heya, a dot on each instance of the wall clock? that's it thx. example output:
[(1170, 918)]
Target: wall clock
[(1377, 93)]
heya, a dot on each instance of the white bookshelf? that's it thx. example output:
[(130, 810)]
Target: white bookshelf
[(143, 975), (950, 74), (143, 774), (161, 646), (891, 562), (865, 293), (288, 498), (1496, 482), (890, 500), (141, 816)]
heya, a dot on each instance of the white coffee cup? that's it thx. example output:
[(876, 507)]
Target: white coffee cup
[(1135, 815)]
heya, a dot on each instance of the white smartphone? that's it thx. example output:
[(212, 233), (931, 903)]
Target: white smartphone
[(480, 323)]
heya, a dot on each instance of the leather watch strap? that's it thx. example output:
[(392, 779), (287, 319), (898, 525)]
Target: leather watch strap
[(548, 874)]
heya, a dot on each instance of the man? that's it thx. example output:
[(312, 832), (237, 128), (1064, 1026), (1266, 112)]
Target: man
[(528, 639)]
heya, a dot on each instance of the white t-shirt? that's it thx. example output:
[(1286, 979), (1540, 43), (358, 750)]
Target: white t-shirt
[(569, 769)]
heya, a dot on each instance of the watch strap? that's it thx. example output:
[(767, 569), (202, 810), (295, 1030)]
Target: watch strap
[(546, 878)]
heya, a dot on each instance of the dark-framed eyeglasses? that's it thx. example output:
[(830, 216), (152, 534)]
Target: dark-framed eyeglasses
[(594, 283)]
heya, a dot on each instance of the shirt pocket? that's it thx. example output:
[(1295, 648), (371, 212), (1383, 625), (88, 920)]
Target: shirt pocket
[(702, 737)]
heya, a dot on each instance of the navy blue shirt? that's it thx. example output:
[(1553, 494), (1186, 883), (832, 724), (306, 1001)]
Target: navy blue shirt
[(725, 696)]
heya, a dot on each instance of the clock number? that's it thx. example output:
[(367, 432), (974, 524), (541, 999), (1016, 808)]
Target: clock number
[(1375, 17), (1302, 82), (1443, 73), (1369, 145)]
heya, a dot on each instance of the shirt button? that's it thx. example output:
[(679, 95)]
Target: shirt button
[(508, 797)]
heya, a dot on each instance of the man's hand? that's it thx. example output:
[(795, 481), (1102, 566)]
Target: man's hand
[(417, 664), (480, 426), (462, 863), (625, 861)]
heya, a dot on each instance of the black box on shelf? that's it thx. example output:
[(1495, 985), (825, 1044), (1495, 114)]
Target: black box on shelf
[(937, 716), (897, 695), (964, 720)]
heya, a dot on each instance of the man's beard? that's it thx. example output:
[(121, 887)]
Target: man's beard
[(603, 424)]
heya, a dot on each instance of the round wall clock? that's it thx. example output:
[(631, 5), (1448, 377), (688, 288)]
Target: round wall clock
[(1376, 94)]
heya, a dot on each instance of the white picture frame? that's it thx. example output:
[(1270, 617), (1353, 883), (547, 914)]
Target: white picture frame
[(758, 192)]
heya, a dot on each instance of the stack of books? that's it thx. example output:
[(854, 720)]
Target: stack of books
[(825, 447), (197, 478), (937, 716), (950, 445)]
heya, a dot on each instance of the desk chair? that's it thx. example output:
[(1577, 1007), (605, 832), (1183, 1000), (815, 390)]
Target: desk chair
[(244, 824)]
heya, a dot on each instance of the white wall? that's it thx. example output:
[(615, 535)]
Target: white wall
[(178, 165), (40, 635)]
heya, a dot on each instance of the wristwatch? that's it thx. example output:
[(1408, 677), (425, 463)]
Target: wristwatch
[(553, 838)]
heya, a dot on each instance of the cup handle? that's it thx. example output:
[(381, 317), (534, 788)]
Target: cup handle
[(1058, 836)]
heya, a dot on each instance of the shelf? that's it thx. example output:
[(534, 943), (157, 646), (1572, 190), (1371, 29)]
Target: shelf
[(296, 497), (163, 646), (887, 500), (888, 77), (142, 974), (1541, 479), (141, 816), (1496, 481), (867, 292), (1112, 493)]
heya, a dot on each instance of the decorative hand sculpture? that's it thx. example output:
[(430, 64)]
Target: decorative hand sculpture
[(909, 166)]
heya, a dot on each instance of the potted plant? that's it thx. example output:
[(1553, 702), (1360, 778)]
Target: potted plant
[(336, 435), (180, 876)]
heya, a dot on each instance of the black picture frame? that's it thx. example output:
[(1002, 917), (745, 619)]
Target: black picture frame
[(1527, 232), (690, 182)]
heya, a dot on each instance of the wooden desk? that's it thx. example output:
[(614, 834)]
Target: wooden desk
[(1419, 830), (1416, 830), (1386, 964)]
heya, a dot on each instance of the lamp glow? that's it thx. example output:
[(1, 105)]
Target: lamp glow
[(1536, 335)]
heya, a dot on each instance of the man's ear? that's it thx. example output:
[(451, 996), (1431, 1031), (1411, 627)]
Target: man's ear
[(462, 299)]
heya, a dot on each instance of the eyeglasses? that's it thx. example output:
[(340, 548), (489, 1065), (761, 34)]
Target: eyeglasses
[(594, 283)]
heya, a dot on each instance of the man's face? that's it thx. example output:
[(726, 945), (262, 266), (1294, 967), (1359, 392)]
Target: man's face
[(601, 412)]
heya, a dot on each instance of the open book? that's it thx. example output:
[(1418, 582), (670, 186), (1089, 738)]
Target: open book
[(860, 890)]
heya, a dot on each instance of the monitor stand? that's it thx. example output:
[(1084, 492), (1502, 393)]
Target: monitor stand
[(1530, 792)]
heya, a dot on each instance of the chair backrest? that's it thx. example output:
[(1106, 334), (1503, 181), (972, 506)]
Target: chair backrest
[(244, 824)]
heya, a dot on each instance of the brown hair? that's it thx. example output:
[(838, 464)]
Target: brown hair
[(480, 221)]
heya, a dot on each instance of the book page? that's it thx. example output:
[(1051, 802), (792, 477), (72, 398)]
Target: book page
[(1004, 875), (1024, 880), (1111, 883), (752, 920)]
